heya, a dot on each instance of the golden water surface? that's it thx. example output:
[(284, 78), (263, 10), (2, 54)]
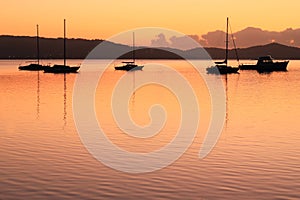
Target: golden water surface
[(256, 157)]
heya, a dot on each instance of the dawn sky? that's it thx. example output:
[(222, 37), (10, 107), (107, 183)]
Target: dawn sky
[(101, 19)]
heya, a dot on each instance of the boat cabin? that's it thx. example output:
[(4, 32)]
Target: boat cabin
[(265, 59)]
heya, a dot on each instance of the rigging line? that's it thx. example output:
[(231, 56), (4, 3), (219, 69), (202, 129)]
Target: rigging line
[(237, 56), (235, 49)]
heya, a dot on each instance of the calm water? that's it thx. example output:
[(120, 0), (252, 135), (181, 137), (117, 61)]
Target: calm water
[(256, 157)]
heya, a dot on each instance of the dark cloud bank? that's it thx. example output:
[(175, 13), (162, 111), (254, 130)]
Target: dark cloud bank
[(245, 38)]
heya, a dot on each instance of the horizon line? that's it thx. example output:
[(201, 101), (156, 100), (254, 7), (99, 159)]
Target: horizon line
[(102, 40)]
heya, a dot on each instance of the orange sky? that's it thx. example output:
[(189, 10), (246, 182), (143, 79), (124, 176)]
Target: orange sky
[(104, 18)]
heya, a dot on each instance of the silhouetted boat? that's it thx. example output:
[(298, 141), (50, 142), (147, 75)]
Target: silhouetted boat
[(222, 67), (266, 64), (128, 66), (35, 66), (62, 68)]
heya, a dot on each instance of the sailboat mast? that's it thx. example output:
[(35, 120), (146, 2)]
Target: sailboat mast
[(133, 48), (37, 44), (64, 42), (226, 57)]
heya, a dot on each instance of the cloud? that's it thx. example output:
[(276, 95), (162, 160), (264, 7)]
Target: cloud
[(198, 39), (160, 41), (214, 39), (177, 42)]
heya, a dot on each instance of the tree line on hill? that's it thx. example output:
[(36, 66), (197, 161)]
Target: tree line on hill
[(24, 47)]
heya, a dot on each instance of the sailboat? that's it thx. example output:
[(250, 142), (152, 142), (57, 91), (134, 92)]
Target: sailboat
[(35, 66), (131, 64), (222, 67), (62, 68)]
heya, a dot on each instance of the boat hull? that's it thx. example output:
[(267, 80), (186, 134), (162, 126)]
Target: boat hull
[(248, 67), (61, 69), (33, 67), (266, 67), (129, 67), (222, 70), (275, 66)]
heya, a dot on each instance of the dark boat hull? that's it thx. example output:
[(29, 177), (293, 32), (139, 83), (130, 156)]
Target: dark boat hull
[(129, 67), (61, 69), (248, 67), (266, 67), (275, 66), (33, 67), (222, 70)]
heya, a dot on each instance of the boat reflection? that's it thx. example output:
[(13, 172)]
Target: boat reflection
[(230, 92), (38, 97), (65, 101), (38, 100)]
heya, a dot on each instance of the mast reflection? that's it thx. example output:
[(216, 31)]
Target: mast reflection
[(65, 100), (38, 96)]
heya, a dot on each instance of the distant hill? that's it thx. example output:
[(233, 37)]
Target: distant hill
[(24, 47), (277, 51)]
